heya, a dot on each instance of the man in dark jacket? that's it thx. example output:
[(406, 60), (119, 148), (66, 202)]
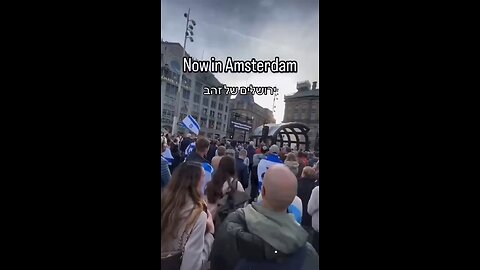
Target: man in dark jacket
[(185, 143), (264, 236), (201, 149), (250, 153), (240, 168), (305, 186), (212, 150)]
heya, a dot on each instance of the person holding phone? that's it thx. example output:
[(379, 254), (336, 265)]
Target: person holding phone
[(187, 226)]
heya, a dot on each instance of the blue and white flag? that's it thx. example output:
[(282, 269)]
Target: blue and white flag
[(208, 174), (167, 155), (295, 208), (190, 123), (263, 166), (190, 149)]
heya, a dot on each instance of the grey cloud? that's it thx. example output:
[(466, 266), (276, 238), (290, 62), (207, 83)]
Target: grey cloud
[(261, 29)]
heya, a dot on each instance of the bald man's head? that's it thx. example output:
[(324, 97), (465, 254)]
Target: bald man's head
[(279, 188)]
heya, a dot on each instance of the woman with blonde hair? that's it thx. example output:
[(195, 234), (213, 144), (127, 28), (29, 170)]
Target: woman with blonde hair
[(186, 225)]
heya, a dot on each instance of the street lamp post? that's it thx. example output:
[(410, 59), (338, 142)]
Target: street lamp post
[(188, 34)]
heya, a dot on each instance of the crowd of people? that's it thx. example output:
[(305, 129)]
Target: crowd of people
[(210, 221)]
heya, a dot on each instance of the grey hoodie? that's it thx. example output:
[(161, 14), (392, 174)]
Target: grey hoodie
[(288, 235), (256, 233)]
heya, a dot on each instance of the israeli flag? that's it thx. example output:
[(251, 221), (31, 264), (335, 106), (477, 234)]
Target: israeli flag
[(263, 166), (167, 155), (190, 149), (208, 174), (190, 123)]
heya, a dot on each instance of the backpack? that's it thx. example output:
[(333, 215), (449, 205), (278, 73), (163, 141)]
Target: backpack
[(232, 201), (294, 261)]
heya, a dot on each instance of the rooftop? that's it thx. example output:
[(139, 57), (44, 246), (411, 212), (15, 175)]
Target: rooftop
[(308, 93)]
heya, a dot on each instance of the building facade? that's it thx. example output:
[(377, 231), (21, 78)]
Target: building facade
[(210, 111), (245, 110), (302, 107)]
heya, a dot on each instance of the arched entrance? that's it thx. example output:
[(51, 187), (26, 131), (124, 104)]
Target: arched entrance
[(293, 135)]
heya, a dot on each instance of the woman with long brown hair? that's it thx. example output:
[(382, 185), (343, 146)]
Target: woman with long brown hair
[(222, 179), (186, 224)]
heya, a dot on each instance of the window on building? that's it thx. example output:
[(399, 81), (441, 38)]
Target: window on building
[(186, 94), (204, 112), (225, 117), (226, 108), (169, 101), (219, 126), (195, 116), (196, 98), (213, 104), (212, 114), (184, 106), (196, 108), (203, 122), (206, 101), (223, 127), (220, 106), (186, 81), (219, 116), (211, 123), (175, 76), (198, 87), (170, 90)]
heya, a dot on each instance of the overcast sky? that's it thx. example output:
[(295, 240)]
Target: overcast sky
[(260, 29)]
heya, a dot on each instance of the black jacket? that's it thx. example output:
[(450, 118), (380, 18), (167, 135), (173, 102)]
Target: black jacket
[(196, 158), (177, 159), (242, 172), (304, 191), (234, 242), (211, 153), (250, 153), (185, 143)]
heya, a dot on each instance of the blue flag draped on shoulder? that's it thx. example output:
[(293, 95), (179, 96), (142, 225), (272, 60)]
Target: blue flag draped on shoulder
[(190, 123), (263, 166), (167, 155), (208, 174), (190, 149)]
